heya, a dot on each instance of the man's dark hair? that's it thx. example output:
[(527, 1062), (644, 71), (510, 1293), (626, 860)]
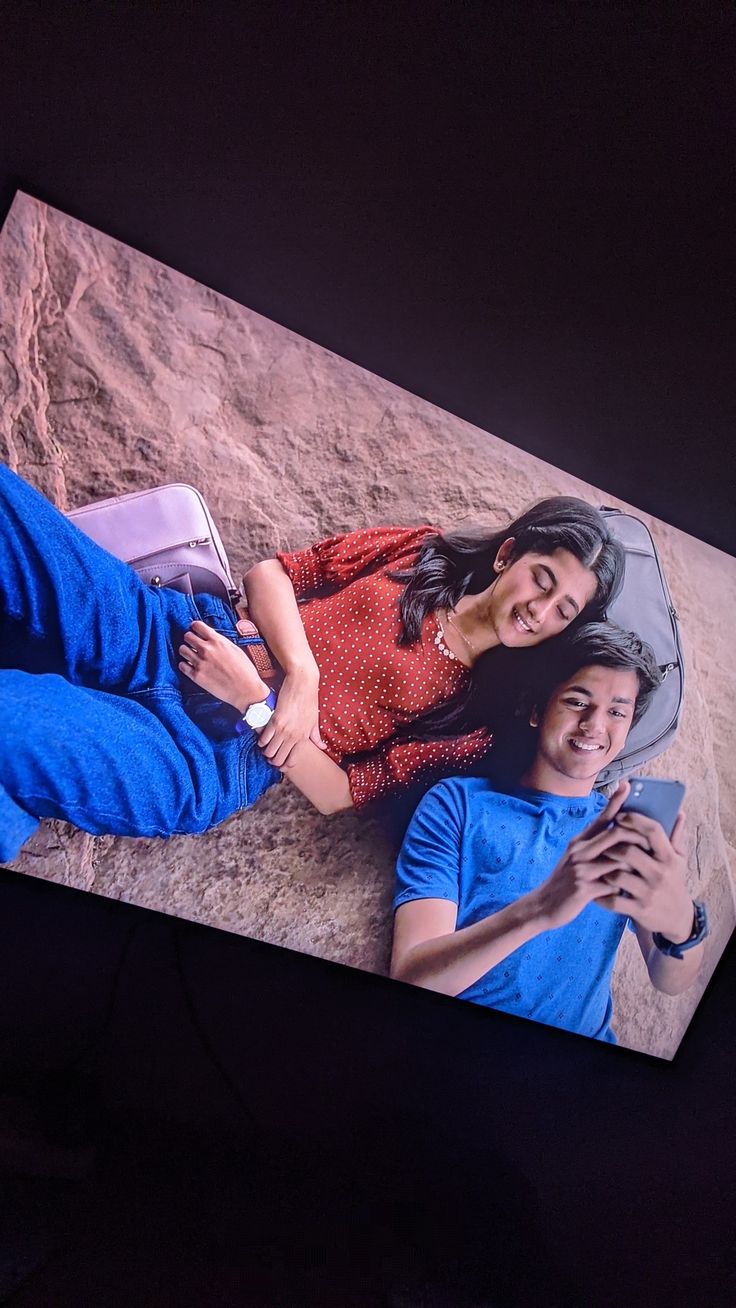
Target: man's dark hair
[(607, 645), (603, 643)]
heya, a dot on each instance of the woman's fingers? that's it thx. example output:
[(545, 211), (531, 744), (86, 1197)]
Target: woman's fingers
[(281, 752), (268, 738), (266, 734), (316, 737), (277, 747), (202, 630), (272, 745), (277, 741), (199, 639)]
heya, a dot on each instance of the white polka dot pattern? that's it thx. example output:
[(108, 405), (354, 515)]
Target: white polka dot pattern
[(368, 683)]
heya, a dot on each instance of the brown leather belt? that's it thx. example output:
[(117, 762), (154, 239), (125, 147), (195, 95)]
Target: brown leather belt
[(259, 653)]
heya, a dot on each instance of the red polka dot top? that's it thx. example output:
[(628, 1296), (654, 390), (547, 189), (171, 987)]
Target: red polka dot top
[(369, 684)]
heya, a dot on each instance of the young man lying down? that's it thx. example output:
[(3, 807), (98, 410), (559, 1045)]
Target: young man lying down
[(518, 900)]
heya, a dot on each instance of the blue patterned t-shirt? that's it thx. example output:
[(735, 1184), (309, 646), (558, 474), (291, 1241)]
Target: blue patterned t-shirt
[(482, 850)]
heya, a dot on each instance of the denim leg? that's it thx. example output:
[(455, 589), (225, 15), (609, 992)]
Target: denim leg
[(155, 756), (114, 765), (68, 606)]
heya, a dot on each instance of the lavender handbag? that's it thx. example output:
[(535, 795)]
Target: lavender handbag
[(166, 534)]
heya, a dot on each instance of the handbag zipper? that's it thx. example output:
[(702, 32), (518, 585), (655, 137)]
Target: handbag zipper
[(201, 540)]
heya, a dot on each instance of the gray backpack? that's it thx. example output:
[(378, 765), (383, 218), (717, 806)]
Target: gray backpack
[(644, 605)]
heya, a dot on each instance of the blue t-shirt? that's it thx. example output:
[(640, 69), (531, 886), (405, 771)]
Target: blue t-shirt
[(482, 850)]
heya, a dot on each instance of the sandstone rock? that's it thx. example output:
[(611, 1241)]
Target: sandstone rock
[(118, 374)]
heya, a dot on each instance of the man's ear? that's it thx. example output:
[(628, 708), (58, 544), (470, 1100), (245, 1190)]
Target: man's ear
[(534, 718)]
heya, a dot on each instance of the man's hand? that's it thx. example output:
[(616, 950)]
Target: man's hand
[(651, 869), (220, 667), (295, 718), (578, 878)]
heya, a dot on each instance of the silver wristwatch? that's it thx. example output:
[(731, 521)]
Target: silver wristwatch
[(257, 715)]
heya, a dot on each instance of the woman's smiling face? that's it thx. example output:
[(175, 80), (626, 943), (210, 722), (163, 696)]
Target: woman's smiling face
[(536, 596)]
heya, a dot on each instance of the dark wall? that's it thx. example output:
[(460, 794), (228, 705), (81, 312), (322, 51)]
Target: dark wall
[(520, 213)]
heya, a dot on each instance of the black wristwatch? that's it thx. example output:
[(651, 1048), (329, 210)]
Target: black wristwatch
[(699, 932)]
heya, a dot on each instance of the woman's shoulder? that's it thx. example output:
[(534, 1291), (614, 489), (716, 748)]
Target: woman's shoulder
[(403, 539), (389, 545), (400, 531)]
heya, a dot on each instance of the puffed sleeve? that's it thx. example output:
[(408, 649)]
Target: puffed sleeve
[(338, 560), (392, 767)]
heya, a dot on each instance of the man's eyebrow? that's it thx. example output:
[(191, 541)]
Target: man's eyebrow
[(581, 690), (545, 568)]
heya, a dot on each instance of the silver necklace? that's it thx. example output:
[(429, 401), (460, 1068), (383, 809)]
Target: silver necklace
[(439, 641)]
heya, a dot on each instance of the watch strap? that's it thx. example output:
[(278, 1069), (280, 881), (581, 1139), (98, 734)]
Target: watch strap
[(699, 932), (269, 702)]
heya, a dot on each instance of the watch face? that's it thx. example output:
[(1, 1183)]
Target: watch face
[(258, 714)]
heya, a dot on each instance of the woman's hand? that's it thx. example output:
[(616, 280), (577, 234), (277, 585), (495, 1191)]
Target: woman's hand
[(220, 667), (295, 718)]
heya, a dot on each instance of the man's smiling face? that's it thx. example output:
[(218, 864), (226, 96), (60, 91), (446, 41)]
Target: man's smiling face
[(583, 727)]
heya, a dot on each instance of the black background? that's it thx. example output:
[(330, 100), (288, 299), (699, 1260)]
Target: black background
[(523, 214)]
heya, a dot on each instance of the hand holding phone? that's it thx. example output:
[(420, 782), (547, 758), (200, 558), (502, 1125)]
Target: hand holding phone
[(655, 798), (648, 879)]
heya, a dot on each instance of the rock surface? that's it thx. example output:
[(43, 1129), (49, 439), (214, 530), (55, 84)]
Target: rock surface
[(118, 374)]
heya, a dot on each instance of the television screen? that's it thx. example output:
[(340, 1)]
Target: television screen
[(295, 653)]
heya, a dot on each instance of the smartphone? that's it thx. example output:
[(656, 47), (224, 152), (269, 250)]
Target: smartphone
[(656, 799)]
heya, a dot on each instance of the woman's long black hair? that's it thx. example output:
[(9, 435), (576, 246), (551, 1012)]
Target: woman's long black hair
[(454, 564)]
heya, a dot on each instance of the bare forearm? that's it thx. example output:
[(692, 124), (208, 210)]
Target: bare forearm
[(673, 975), (272, 606), (323, 782), (451, 963)]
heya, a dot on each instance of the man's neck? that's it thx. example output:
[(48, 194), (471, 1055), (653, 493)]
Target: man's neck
[(541, 776)]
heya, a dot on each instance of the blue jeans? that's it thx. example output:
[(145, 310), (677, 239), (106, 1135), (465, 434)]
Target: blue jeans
[(97, 725)]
